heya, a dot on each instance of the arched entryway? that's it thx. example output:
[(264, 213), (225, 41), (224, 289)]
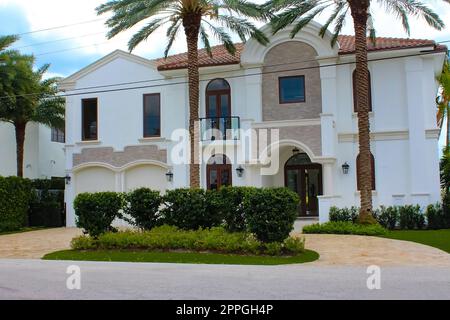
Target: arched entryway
[(218, 172), (305, 178)]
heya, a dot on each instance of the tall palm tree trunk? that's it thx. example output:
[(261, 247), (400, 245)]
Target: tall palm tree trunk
[(447, 141), (20, 141), (191, 24), (359, 9)]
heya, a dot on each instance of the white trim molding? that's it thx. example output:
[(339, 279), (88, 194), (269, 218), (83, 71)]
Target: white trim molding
[(120, 169), (376, 136), (287, 123)]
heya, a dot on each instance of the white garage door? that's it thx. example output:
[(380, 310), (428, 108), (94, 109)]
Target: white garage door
[(148, 176), (95, 179)]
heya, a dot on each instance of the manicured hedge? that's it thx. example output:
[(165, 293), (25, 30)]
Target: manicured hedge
[(267, 213), (142, 208), (97, 211), (406, 217), (271, 213), (345, 228), (15, 196), (173, 238), (191, 209)]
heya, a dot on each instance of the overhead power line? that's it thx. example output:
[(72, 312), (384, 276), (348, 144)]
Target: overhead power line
[(58, 40), (209, 79), (61, 27)]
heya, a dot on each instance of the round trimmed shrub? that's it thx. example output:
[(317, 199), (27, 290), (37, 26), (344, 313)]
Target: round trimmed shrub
[(191, 209), (232, 207), (143, 205), (96, 211), (271, 213)]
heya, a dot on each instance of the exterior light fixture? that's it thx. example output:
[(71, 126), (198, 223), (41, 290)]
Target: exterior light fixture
[(169, 176), (240, 171), (68, 179), (345, 168), (296, 151)]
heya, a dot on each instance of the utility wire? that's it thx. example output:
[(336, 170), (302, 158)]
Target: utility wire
[(60, 27), (59, 40), (207, 80)]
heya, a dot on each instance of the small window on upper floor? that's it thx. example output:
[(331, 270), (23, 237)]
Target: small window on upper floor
[(152, 115), (58, 135), (292, 89), (89, 119), (355, 96)]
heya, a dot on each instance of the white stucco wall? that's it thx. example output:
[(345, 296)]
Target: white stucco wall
[(42, 158)]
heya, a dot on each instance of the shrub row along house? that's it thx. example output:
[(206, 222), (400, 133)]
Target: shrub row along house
[(124, 115)]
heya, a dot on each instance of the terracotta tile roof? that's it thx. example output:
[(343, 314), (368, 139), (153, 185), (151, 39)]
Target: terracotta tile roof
[(220, 56), (347, 46)]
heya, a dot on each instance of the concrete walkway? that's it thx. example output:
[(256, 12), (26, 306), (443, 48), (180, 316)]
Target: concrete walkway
[(333, 249)]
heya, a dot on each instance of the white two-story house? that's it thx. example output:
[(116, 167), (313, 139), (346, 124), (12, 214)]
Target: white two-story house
[(125, 113)]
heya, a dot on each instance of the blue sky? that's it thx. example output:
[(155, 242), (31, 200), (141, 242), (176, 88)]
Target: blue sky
[(20, 16)]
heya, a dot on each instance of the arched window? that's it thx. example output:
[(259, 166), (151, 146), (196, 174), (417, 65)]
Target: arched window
[(219, 172), (355, 96), (218, 99), (358, 169), (298, 160)]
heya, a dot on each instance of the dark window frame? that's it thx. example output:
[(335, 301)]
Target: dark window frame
[(355, 100), (58, 135), (280, 100), (217, 94), (145, 129), (358, 168), (83, 133)]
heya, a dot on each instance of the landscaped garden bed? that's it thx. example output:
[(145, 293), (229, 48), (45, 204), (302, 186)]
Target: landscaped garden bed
[(233, 225)]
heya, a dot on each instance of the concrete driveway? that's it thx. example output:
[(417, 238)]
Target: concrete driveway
[(333, 250)]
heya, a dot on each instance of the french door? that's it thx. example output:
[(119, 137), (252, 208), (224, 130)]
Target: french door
[(218, 175), (306, 181)]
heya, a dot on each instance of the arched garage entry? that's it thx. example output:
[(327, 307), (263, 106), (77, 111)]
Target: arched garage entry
[(147, 175), (94, 179)]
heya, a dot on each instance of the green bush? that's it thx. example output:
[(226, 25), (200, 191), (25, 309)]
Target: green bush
[(345, 228), (191, 209), (411, 217), (96, 211), (388, 217), (142, 206), (173, 238), (232, 207), (271, 213), (446, 213), (344, 215), (15, 196)]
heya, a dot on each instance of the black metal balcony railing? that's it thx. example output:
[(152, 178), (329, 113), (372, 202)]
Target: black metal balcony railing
[(223, 128)]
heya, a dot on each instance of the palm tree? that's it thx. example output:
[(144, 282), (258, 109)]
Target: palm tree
[(301, 12), (443, 102), (26, 97), (199, 19)]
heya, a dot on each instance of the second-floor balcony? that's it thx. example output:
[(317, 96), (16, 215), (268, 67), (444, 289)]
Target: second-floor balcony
[(220, 128)]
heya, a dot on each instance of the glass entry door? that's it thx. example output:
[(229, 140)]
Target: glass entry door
[(306, 181)]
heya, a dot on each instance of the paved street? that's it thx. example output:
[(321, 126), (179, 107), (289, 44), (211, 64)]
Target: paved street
[(34, 279)]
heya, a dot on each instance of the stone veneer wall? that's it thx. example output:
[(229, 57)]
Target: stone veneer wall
[(283, 55), (310, 136), (122, 158)]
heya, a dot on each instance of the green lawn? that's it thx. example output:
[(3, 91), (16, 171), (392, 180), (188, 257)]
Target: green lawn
[(21, 231), (435, 238), (179, 257)]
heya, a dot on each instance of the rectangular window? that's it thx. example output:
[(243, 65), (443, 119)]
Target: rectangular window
[(292, 89), (58, 135), (89, 119), (152, 115)]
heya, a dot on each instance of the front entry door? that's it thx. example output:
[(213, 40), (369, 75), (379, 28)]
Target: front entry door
[(306, 181), (219, 175)]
